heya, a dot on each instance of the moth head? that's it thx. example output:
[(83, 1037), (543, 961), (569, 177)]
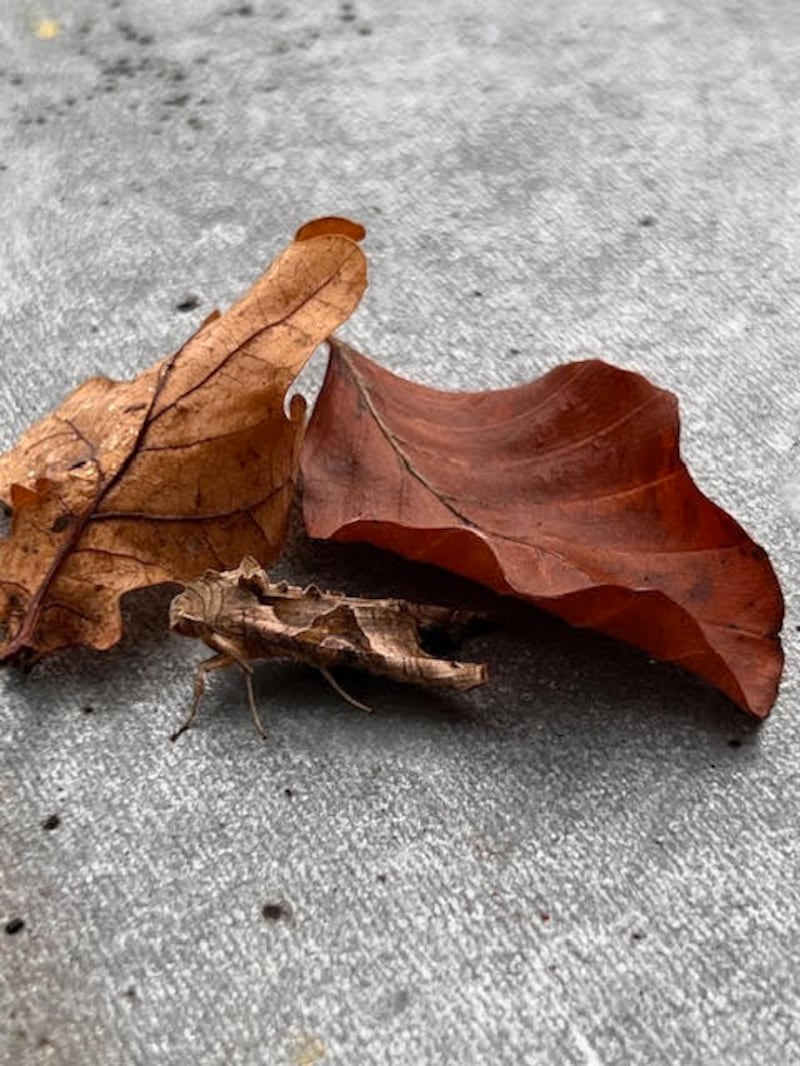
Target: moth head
[(188, 614)]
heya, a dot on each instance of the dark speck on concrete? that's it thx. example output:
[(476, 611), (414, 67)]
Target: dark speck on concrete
[(734, 742), (124, 67), (188, 303), (14, 925), (178, 99), (130, 33), (648, 220), (279, 911), (52, 821), (637, 936)]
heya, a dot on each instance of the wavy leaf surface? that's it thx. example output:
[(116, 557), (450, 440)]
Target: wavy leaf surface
[(569, 492)]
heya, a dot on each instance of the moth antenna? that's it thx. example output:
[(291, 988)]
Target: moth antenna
[(338, 688), (312, 592)]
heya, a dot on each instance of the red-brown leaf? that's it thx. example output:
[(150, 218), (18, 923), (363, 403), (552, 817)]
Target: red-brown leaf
[(569, 492)]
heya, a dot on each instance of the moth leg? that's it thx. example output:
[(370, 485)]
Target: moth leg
[(251, 699), (216, 662), (234, 655), (338, 688)]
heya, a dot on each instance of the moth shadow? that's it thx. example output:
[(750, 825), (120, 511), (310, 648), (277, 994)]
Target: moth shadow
[(303, 691)]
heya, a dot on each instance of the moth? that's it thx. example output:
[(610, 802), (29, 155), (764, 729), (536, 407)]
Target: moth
[(243, 616)]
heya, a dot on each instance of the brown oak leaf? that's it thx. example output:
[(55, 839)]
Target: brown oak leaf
[(569, 492), (191, 464)]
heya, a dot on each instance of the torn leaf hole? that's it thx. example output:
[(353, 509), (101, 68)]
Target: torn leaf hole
[(6, 515), (62, 522)]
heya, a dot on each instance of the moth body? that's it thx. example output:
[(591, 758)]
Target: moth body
[(243, 616)]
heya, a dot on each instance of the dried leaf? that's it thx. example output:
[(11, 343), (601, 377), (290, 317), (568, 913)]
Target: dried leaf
[(243, 616), (331, 224), (569, 492), (191, 464)]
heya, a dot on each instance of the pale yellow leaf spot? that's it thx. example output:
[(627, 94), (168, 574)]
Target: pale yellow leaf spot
[(46, 29)]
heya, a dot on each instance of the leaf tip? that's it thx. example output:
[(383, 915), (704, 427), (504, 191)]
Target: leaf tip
[(331, 225), (22, 495)]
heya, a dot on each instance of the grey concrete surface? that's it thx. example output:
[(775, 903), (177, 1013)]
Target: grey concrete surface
[(594, 859)]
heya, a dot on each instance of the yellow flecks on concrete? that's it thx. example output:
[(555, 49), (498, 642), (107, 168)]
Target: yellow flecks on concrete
[(306, 1050), (46, 29)]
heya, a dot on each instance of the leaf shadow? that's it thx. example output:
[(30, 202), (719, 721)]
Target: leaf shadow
[(557, 691), (544, 675), (101, 681)]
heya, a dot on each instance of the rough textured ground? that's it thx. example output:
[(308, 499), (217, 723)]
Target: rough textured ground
[(594, 859)]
